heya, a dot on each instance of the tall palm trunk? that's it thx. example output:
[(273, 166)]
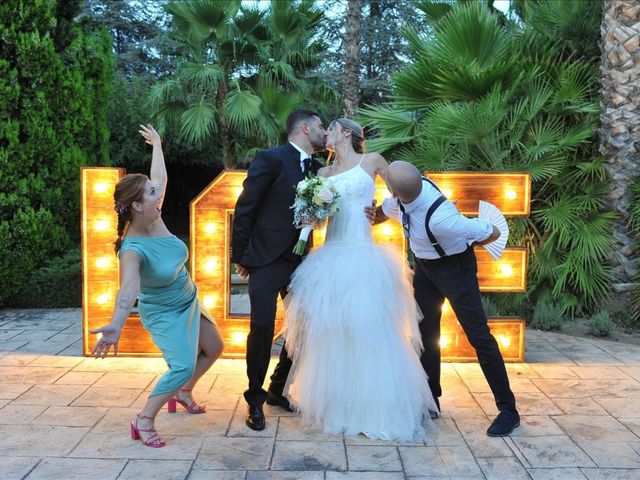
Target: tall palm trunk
[(620, 122), (226, 138), (351, 43)]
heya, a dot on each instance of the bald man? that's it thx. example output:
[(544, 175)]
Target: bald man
[(442, 240)]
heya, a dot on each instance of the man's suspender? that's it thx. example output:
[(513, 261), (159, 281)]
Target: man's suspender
[(434, 242)]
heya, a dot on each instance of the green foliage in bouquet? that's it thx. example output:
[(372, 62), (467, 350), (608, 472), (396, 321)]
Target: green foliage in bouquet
[(485, 93)]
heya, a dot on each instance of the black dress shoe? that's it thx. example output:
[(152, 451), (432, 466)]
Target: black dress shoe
[(279, 400), (504, 423), (255, 419), (433, 414)]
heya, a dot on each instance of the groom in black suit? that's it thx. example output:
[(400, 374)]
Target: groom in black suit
[(262, 247)]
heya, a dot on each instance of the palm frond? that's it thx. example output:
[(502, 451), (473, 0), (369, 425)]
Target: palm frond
[(392, 122), (201, 76), (243, 108), (198, 122)]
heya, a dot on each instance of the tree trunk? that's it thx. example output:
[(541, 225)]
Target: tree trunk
[(226, 138), (620, 122), (351, 45)]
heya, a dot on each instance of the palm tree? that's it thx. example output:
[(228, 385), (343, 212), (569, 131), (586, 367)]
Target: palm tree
[(620, 124), (481, 94), (246, 68), (351, 46)]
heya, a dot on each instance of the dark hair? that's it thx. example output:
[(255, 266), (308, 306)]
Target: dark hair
[(357, 134), (128, 190), (297, 116)]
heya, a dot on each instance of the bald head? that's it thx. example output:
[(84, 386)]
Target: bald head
[(403, 180)]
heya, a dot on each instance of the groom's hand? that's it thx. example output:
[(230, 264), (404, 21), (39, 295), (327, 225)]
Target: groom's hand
[(242, 271)]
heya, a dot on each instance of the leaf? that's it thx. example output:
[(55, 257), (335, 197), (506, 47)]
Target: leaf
[(198, 122), (243, 109)]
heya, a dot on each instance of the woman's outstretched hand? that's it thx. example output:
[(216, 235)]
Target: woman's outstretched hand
[(110, 335), (150, 135)]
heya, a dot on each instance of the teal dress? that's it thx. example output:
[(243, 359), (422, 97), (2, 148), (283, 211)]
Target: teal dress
[(169, 306)]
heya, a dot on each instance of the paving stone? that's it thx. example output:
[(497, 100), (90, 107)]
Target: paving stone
[(309, 456), (156, 469), (551, 452), (373, 458), (77, 469), (501, 468), (16, 468), (235, 454)]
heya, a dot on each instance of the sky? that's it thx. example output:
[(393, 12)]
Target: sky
[(499, 4)]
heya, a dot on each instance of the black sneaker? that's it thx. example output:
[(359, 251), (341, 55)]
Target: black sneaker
[(504, 424)]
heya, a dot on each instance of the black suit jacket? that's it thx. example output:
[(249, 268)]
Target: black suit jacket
[(263, 220)]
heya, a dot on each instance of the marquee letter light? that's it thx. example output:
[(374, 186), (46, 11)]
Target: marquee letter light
[(210, 235)]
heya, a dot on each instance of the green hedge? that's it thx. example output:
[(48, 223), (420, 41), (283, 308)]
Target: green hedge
[(58, 284), (55, 74)]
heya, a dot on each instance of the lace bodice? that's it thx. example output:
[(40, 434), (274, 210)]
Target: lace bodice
[(350, 224)]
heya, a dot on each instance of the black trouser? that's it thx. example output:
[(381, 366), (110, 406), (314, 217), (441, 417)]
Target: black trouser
[(455, 277), (265, 283)]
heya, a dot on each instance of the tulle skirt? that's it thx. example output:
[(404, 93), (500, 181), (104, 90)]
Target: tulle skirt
[(352, 332)]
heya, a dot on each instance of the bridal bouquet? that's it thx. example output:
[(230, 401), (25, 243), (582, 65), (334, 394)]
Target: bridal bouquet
[(316, 199)]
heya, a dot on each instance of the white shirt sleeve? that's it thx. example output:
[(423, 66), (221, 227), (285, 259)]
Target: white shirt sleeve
[(390, 208), (459, 226)]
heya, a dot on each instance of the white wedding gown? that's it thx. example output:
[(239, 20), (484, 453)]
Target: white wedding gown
[(352, 330)]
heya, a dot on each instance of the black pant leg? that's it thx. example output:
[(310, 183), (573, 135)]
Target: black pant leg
[(460, 286), (264, 285), (430, 300)]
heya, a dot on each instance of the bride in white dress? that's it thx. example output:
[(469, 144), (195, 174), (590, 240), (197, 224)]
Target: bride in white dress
[(351, 323)]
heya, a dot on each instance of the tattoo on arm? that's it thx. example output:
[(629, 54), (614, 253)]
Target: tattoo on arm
[(125, 300)]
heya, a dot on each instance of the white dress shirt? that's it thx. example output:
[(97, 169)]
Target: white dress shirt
[(453, 231), (303, 155)]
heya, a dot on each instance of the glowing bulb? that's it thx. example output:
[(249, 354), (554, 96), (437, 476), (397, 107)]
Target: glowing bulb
[(444, 342), (209, 301), (210, 228), (211, 265), (510, 194), (103, 299), (504, 340), (386, 193), (103, 262), (99, 335), (387, 230), (447, 192), (238, 191), (101, 225), (238, 338), (445, 307), (100, 188), (506, 270)]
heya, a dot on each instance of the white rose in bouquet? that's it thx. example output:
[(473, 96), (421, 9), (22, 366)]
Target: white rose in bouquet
[(316, 199)]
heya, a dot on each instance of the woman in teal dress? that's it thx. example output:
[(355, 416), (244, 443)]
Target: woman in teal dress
[(152, 270)]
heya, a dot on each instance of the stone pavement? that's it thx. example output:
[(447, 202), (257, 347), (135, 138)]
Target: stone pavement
[(63, 416)]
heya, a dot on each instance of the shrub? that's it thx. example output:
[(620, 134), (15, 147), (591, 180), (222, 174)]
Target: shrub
[(547, 316), (58, 284), (54, 77), (601, 324)]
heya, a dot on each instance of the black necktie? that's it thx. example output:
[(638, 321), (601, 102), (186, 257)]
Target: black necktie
[(306, 164)]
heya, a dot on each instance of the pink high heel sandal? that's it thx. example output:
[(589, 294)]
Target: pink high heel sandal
[(154, 441), (192, 408)]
